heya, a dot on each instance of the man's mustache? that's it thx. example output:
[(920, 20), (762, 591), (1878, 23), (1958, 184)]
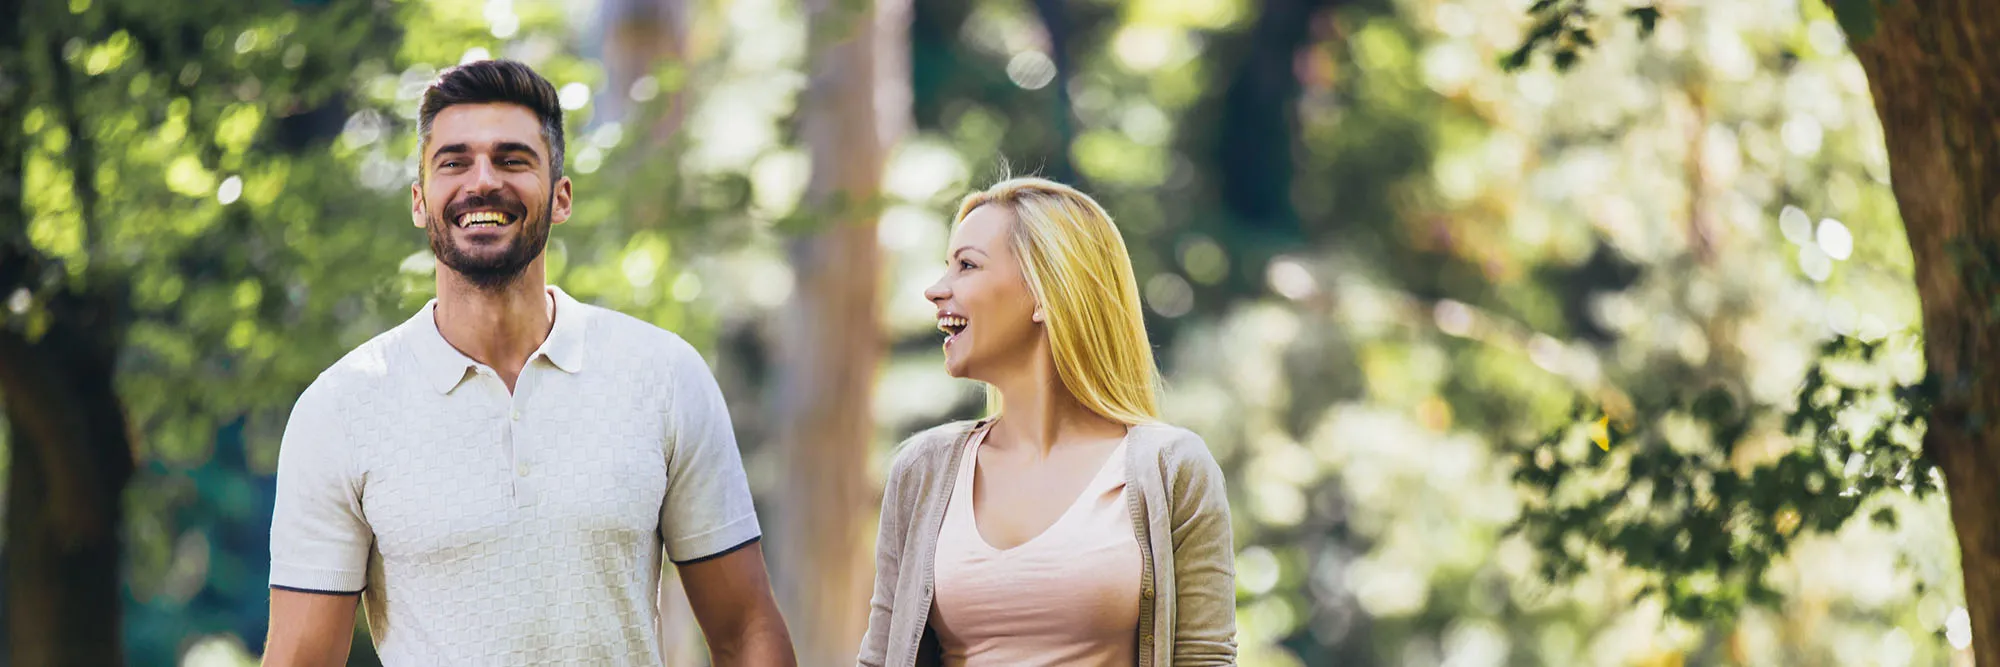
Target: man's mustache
[(508, 205)]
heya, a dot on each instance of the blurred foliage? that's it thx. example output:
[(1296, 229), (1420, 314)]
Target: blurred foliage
[(179, 156), (1630, 235), (1564, 29), (1383, 269), (1705, 523)]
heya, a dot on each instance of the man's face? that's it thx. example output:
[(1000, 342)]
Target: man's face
[(485, 199)]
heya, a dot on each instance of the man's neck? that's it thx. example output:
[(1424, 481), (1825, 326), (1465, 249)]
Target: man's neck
[(499, 327)]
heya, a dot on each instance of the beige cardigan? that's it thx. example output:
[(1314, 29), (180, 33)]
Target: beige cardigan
[(1180, 515)]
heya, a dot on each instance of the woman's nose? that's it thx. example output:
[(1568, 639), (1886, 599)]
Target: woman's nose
[(937, 291)]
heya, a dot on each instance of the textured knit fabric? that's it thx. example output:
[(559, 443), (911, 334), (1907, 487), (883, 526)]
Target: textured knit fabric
[(1068, 597), (484, 528), (1180, 515)]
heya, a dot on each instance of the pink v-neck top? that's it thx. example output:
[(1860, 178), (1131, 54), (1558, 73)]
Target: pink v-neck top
[(1069, 596)]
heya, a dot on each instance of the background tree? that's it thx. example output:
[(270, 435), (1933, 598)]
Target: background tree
[(1924, 71), (1928, 71), (830, 340), (157, 160)]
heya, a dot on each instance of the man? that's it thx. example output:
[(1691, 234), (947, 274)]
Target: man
[(498, 476)]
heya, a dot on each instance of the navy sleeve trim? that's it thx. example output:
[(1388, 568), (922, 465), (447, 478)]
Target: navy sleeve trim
[(315, 592), (718, 554)]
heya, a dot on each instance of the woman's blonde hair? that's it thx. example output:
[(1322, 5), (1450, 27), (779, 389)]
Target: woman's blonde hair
[(1076, 266)]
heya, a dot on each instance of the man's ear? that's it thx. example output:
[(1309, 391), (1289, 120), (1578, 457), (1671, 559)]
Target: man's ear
[(417, 204), (559, 201)]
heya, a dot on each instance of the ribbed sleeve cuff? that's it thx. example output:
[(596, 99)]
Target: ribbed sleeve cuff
[(316, 580), (715, 542)]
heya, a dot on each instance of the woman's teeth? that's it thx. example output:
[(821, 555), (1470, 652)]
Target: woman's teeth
[(482, 219), (951, 324)]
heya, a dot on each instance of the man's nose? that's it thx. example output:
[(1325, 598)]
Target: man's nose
[(484, 177)]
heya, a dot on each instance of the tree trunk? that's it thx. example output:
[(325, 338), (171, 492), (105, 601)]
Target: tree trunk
[(640, 35), (71, 459), (1934, 71), (831, 338), (66, 431), (1258, 144)]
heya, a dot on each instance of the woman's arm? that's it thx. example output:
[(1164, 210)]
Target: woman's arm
[(1204, 560), (888, 558)]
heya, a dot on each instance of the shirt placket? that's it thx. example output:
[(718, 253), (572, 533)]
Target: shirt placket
[(515, 442), (518, 435)]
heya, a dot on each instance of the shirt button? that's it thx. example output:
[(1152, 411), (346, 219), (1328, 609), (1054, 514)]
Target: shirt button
[(521, 470), (515, 415)]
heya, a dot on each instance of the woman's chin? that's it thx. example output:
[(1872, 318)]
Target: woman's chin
[(954, 366)]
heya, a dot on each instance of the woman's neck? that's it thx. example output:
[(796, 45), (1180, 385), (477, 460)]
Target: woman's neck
[(1039, 413)]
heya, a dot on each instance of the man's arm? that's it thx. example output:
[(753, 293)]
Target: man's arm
[(731, 598), (319, 536), (309, 629)]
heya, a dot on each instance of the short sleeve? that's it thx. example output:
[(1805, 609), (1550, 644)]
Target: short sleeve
[(708, 509), (319, 536)]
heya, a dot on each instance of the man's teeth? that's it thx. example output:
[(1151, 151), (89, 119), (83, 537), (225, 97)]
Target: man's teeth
[(482, 219)]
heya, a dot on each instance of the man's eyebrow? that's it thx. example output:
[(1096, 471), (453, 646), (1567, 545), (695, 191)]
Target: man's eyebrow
[(517, 147), (449, 149), (502, 147)]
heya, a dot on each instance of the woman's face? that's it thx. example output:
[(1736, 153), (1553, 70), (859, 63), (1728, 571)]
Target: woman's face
[(983, 301)]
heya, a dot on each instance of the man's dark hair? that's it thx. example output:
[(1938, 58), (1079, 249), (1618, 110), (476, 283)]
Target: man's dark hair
[(489, 81)]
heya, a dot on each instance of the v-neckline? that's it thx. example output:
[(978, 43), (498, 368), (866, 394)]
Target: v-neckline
[(972, 480)]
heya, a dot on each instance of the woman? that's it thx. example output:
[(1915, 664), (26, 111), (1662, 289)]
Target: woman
[(1072, 528)]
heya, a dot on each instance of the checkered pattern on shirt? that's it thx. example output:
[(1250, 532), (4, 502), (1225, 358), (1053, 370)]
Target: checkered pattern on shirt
[(497, 529)]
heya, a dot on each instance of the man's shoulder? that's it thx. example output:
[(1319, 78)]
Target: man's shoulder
[(622, 339), (368, 366), (364, 374)]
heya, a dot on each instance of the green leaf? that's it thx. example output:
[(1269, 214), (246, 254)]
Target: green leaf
[(1581, 37), (1565, 59), (1856, 17), (1648, 18), (1714, 405), (1545, 29)]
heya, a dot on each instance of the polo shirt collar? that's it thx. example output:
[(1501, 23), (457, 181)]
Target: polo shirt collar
[(564, 347), (444, 367)]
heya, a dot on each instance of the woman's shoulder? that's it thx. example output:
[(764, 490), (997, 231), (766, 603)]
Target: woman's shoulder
[(1181, 452), (928, 448), (1172, 442)]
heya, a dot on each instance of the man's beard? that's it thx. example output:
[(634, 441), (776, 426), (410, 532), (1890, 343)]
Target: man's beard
[(489, 271)]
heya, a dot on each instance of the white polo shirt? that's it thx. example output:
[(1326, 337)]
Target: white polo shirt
[(484, 528)]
